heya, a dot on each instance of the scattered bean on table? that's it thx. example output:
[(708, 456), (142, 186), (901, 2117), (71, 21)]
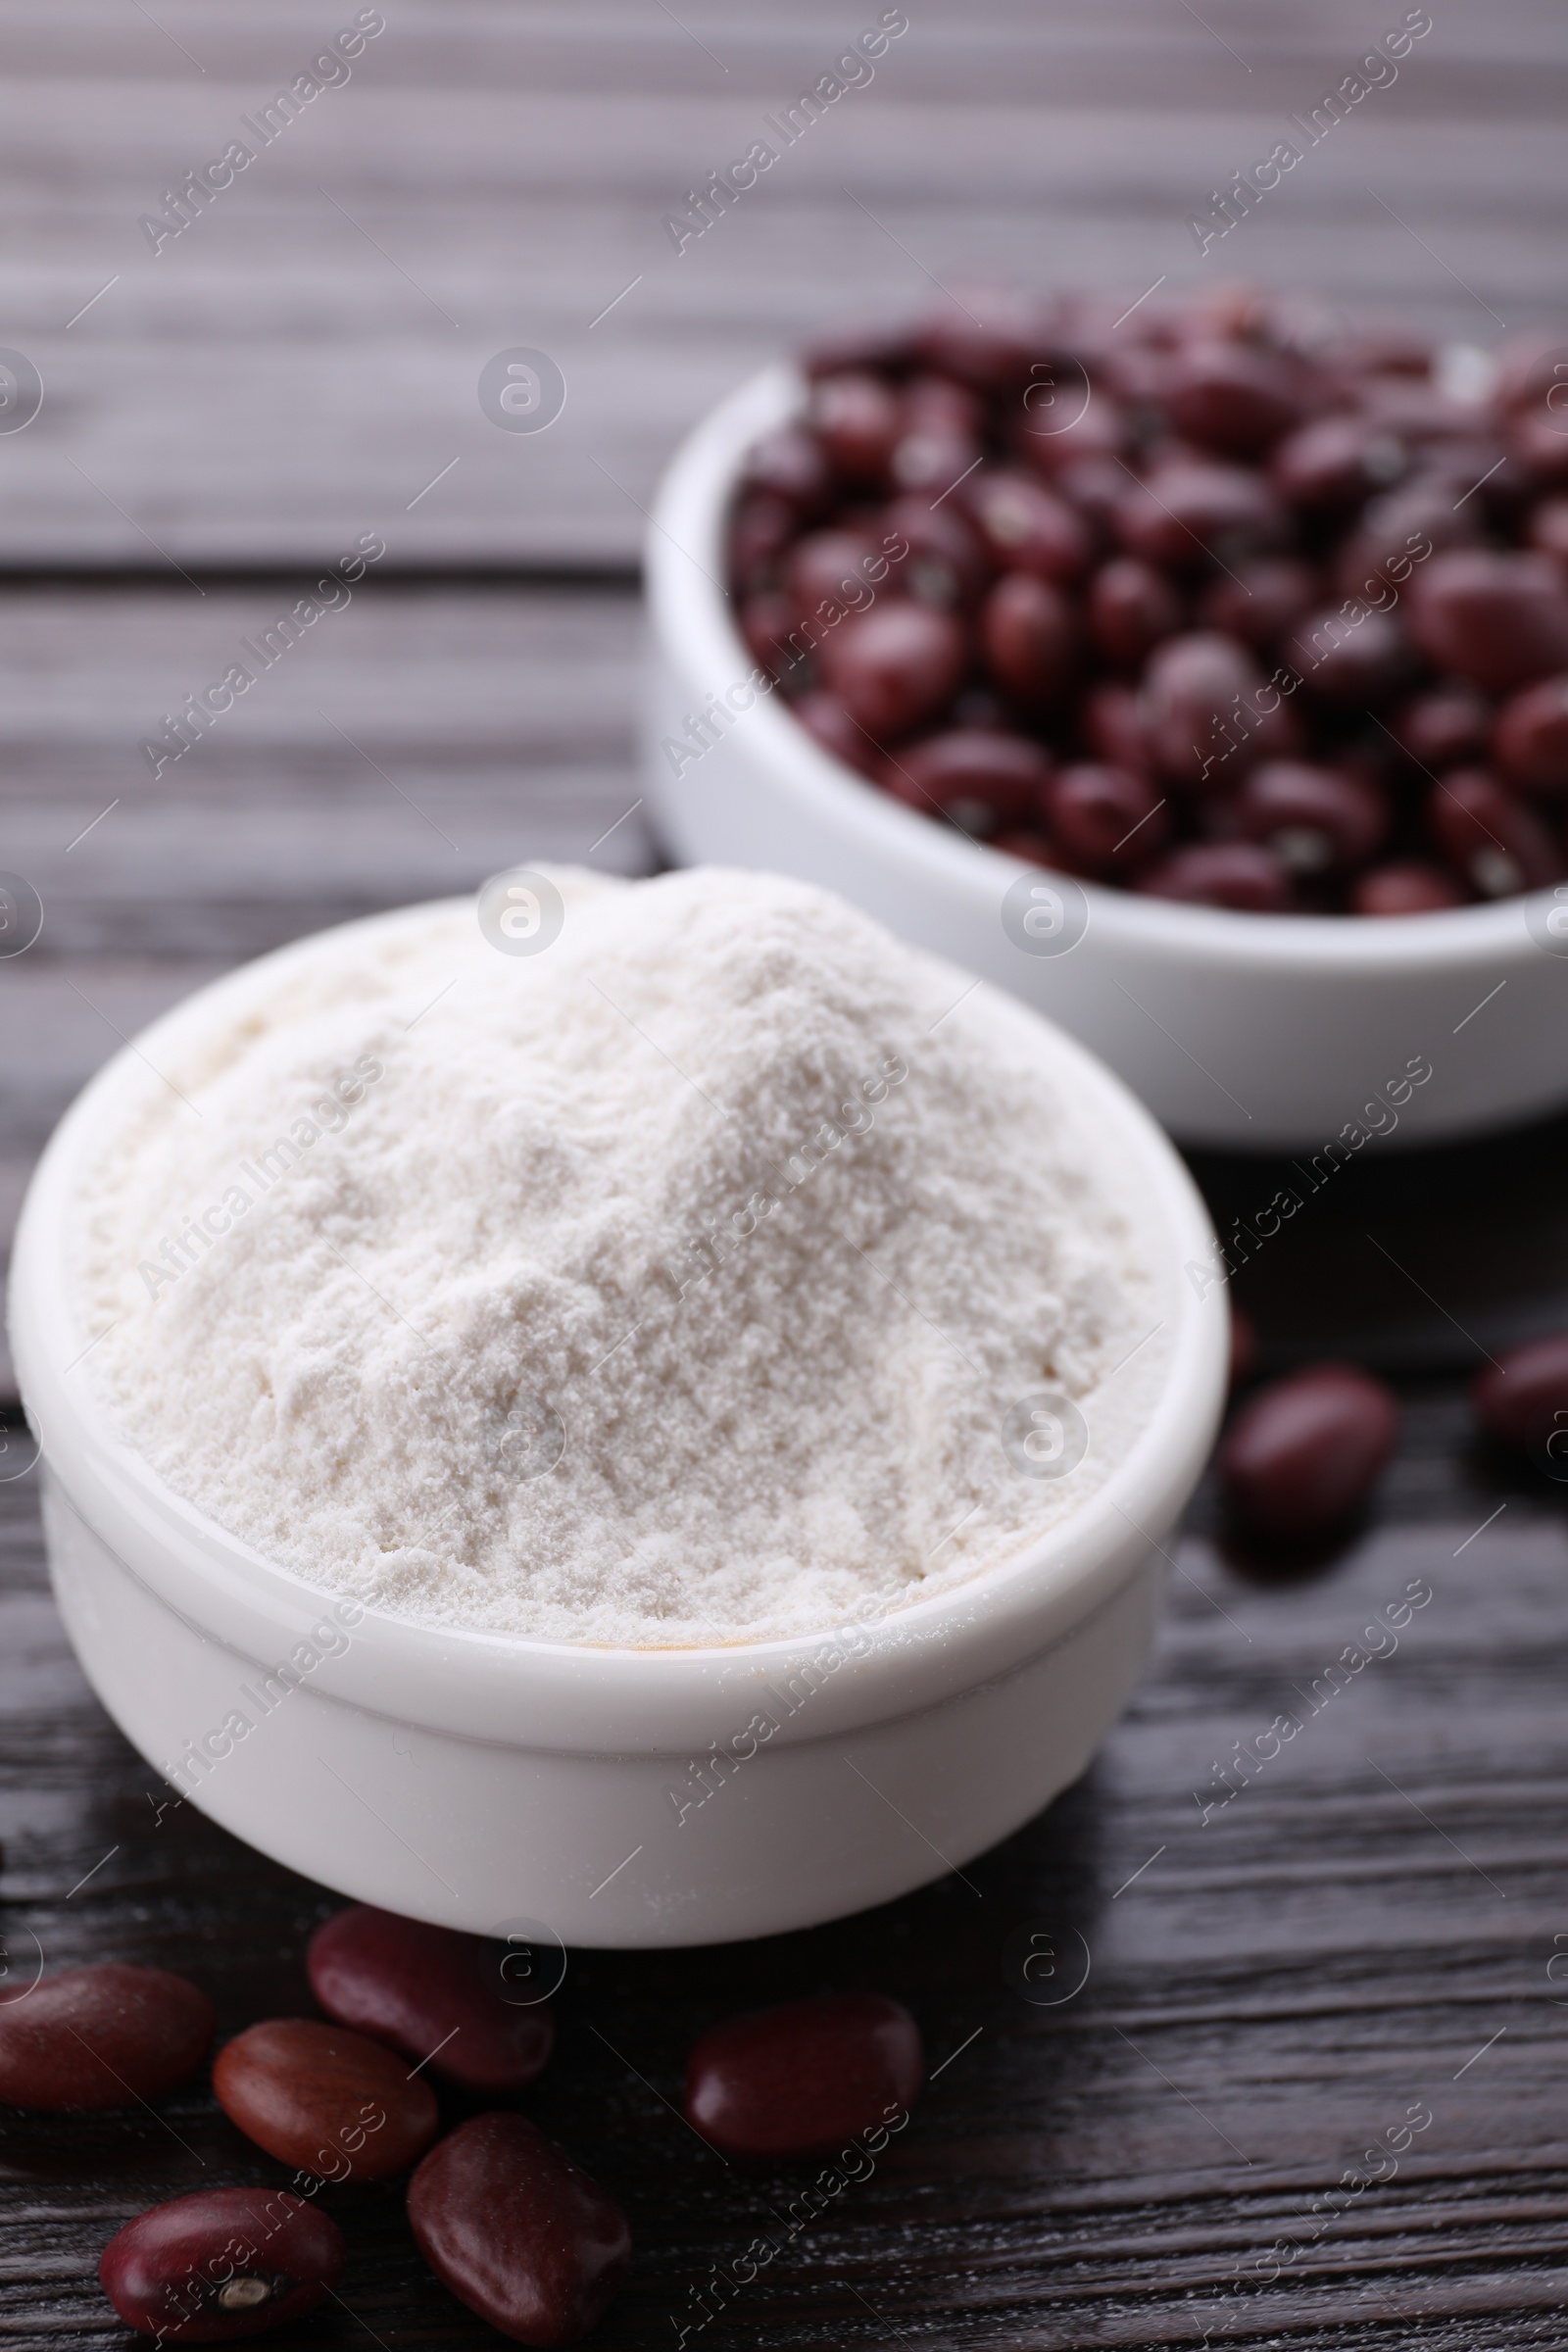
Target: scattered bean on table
[(439, 1996), (333, 2103), (1522, 1400), (222, 2264), (1304, 1453), (804, 2078), (518, 2231), (106, 2036)]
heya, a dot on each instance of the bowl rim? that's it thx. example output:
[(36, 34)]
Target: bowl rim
[(695, 622), (497, 1686)]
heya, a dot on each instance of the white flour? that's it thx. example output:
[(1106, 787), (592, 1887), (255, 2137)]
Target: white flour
[(472, 1349)]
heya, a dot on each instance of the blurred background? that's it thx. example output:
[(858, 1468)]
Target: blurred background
[(238, 391)]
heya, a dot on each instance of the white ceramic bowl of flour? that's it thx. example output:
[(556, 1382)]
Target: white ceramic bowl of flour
[(641, 1791)]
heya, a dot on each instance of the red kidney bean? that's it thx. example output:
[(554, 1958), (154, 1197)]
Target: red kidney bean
[(761, 529), (1191, 684), (765, 621), (1539, 447), (1028, 639), (1095, 488), (1459, 451), (1547, 528), (983, 780), (947, 562), (1113, 723), (324, 2099), (106, 2036), (801, 2080), (1486, 474), (1232, 397), (1306, 1451), (1487, 471), (1028, 529), (1421, 412), (936, 404), (517, 2231), (1052, 443), (1522, 1400), (1500, 620), (222, 2264), (856, 417), (1443, 726), (831, 566), (895, 668), (1405, 885), (938, 436), (1348, 660), (828, 723), (1399, 534), (1525, 371), (1335, 463), (1529, 742), (1189, 515), (1106, 819), (1138, 375), (1318, 821), (1240, 874), (1211, 713), (1497, 843), (1131, 608), (431, 1992), (1259, 602), (1467, 456), (790, 463), (1531, 402)]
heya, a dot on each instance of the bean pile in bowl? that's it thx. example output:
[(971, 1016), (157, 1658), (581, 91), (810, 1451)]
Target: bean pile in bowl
[(1219, 600)]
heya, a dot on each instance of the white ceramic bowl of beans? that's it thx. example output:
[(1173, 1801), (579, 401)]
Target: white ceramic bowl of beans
[(577, 1794), (1239, 1030)]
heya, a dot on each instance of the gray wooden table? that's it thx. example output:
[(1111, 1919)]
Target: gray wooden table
[(298, 366)]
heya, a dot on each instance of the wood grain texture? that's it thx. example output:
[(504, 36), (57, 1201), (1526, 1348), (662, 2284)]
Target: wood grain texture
[(407, 747), (301, 362), (1269, 1990)]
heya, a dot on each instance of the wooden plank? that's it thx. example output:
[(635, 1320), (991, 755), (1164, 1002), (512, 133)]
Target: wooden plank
[(404, 747), (299, 367)]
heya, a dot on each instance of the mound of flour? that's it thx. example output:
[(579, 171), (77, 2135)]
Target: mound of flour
[(672, 1284)]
